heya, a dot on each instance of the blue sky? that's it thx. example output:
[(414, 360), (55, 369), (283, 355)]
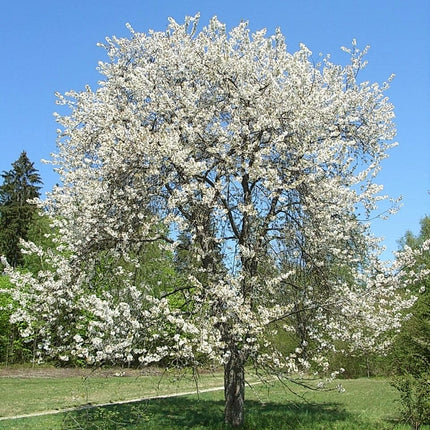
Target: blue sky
[(50, 46)]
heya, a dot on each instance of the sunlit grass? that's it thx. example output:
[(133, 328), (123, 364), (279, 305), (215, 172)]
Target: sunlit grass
[(19, 396), (365, 404)]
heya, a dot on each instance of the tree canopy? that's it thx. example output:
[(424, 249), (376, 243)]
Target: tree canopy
[(411, 352), (256, 165)]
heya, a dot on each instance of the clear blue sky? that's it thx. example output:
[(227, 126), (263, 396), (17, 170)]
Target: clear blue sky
[(50, 46)]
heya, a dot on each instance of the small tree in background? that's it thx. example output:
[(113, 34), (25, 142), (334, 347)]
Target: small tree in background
[(412, 347), (259, 164), (20, 184)]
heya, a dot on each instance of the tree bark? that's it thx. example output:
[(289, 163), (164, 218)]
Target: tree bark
[(234, 390)]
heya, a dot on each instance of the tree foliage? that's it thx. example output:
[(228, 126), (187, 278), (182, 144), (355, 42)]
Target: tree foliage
[(259, 165), (18, 220), (412, 346), (413, 343), (13, 348), (20, 184)]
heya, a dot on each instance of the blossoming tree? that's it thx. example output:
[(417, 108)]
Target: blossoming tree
[(263, 160)]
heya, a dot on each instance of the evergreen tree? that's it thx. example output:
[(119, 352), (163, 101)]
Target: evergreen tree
[(20, 184)]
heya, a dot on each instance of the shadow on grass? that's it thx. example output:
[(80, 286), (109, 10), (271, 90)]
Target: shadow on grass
[(190, 413)]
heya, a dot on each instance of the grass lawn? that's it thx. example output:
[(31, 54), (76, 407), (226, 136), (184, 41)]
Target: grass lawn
[(366, 404), (26, 395)]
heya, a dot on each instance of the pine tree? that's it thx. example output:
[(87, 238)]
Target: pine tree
[(20, 184)]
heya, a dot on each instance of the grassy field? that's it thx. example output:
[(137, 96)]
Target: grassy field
[(365, 404), (25, 395)]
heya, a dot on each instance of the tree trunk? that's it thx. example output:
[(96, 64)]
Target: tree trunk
[(234, 390)]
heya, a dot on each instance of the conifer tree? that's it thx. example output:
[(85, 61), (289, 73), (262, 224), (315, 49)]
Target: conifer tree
[(20, 184)]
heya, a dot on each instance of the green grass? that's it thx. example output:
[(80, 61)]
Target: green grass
[(366, 404), (20, 396)]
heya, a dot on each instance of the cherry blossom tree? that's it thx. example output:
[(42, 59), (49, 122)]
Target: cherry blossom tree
[(259, 166)]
